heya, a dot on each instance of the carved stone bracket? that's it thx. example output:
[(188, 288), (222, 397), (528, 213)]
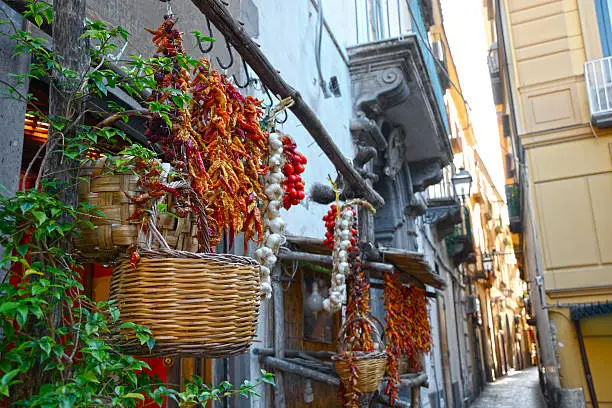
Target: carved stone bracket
[(425, 174)]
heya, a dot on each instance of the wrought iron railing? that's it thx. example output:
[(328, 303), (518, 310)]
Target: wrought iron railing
[(444, 191), (513, 200), (380, 20), (598, 76)]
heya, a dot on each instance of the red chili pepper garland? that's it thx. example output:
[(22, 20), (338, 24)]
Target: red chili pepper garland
[(216, 143), (293, 168), (408, 330)]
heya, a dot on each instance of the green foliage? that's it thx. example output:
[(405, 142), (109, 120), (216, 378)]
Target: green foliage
[(56, 342)]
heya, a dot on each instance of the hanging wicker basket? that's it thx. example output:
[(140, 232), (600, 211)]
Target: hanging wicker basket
[(114, 233), (370, 365), (195, 304)]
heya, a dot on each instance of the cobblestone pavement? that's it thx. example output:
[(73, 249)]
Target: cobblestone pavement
[(518, 389)]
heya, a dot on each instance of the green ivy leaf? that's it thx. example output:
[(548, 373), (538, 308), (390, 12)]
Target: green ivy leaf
[(101, 86), (40, 216), (7, 307), (133, 395), (22, 315), (6, 378)]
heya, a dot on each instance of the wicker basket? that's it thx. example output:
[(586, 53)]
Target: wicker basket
[(370, 365), (113, 234), (195, 304)]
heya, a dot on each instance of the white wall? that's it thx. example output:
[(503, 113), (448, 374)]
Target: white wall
[(287, 37)]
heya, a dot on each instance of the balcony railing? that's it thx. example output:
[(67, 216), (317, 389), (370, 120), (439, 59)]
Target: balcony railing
[(513, 197), (380, 20), (598, 76), (459, 244), (443, 193)]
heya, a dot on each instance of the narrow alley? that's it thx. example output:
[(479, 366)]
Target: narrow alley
[(517, 389)]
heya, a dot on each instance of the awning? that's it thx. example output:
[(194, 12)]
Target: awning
[(586, 310), (413, 264)]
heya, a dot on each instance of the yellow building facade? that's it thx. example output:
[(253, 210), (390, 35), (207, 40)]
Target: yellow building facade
[(554, 76)]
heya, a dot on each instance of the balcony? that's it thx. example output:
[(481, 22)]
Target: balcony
[(514, 207), (496, 83), (459, 244), (598, 76), (395, 84), (443, 208)]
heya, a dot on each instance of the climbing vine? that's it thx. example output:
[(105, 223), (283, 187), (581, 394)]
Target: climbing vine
[(56, 348)]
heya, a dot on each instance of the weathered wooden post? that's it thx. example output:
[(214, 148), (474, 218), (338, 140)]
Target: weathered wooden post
[(12, 111)]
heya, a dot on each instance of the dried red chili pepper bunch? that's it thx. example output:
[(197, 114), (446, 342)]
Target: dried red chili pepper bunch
[(215, 141), (174, 133), (234, 148), (395, 332), (408, 330), (350, 393), (293, 168), (415, 311)]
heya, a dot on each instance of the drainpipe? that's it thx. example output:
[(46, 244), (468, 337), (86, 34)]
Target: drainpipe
[(457, 326), (585, 364)]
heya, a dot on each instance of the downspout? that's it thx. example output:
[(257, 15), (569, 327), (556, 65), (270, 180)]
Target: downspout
[(585, 364), (457, 326)]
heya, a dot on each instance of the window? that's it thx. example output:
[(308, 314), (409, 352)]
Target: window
[(506, 125), (509, 166), (604, 18)]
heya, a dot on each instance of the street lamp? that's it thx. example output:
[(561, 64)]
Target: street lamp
[(462, 182), (487, 262)]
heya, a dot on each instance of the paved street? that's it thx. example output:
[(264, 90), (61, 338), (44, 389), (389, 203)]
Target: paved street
[(517, 389)]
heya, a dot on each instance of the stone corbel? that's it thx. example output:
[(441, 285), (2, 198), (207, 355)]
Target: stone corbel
[(366, 132), (376, 92), (416, 206), (425, 174)]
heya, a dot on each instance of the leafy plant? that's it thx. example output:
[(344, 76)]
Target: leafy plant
[(56, 348)]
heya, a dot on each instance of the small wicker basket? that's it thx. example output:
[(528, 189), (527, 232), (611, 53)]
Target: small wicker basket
[(195, 304), (113, 234), (370, 365)]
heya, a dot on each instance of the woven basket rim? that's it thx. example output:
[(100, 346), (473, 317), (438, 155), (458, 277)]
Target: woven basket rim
[(363, 355), (164, 253)]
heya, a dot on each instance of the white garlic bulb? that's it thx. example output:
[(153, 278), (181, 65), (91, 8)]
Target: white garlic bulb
[(277, 225)]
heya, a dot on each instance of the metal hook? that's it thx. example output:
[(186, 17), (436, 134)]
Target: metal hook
[(248, 77), (229, 50), (271, 104), (285, 117), (267, 91), (210, 34)]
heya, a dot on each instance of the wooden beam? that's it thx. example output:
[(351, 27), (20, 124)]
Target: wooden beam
[(288, 255), (383, 399), (235, 34), (295, 353), (297, 369)]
